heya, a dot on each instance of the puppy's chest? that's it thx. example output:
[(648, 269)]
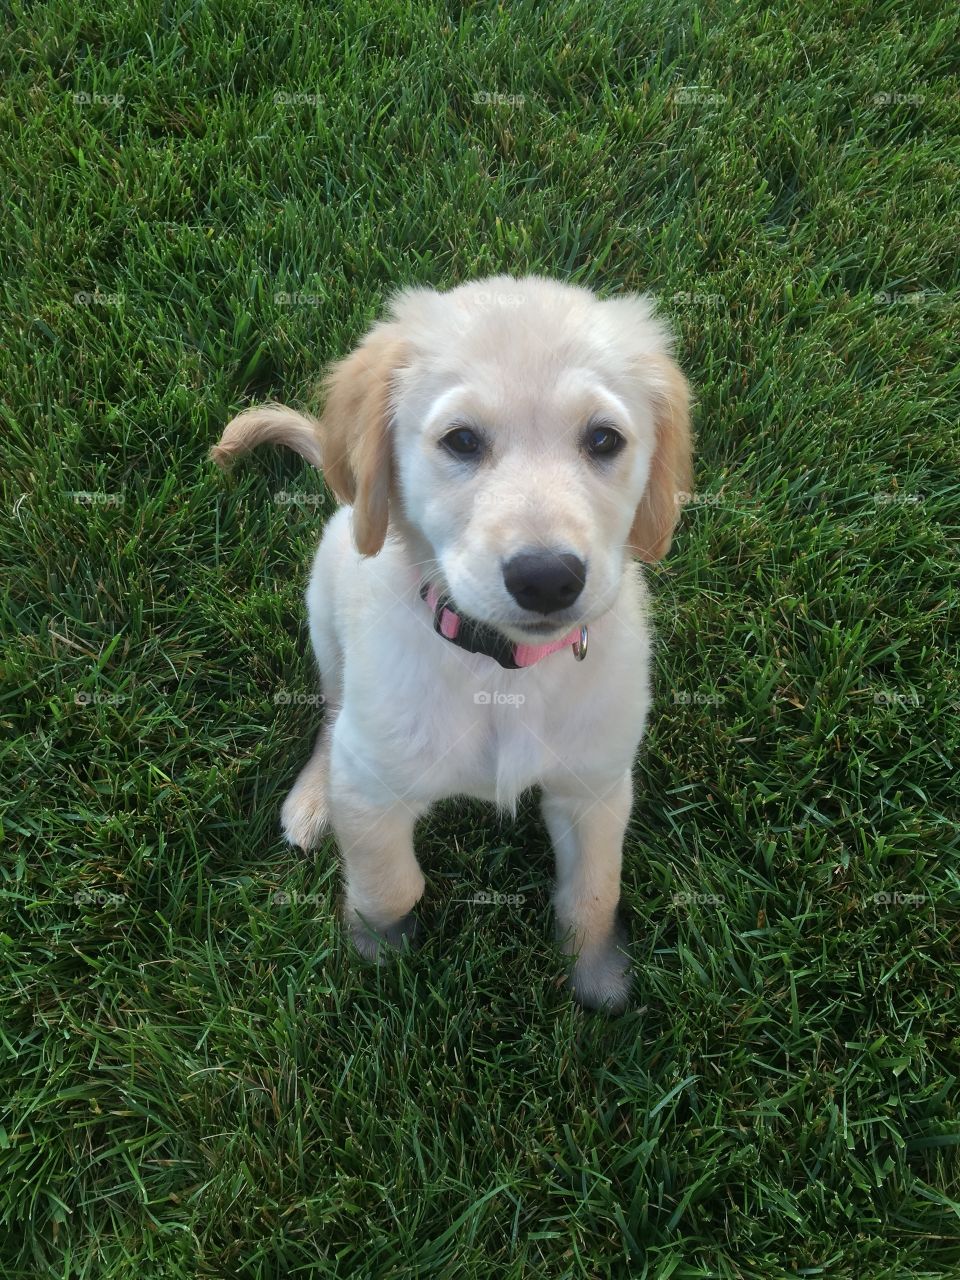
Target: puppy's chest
[(513, 746), (488, 733), (501, 742), (432, 720)]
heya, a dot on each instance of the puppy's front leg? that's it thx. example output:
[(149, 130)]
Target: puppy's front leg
[(587, 830), (382, 877)]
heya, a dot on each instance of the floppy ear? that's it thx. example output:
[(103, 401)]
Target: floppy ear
[(355, 433), (671, 469)]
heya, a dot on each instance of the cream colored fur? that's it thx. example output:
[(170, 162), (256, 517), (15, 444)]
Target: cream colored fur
[(412, 719)]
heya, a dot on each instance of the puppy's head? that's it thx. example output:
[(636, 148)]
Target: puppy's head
[(523, 436)]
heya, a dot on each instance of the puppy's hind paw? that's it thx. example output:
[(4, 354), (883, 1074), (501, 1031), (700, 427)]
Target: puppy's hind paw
[(305, 817)]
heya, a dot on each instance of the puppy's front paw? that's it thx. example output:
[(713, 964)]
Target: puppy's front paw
[(601, 977), (304, 816), (372, 943)]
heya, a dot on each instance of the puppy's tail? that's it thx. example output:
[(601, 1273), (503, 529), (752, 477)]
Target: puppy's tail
[(269, 424)]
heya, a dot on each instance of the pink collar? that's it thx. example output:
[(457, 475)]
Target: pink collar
[(478, 637)]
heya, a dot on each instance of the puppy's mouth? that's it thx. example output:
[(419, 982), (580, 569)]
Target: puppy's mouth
[(542, 628), (533, 628)]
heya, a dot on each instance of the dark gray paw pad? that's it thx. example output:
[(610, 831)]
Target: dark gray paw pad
[(601, 979), (373, 943)]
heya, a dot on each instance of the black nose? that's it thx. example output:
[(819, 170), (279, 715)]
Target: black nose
[(543, 581)]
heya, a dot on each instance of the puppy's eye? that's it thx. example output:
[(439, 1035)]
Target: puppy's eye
[(602, 441), (462, 442)]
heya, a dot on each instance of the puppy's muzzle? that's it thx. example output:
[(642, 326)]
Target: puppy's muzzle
[(544, 581)]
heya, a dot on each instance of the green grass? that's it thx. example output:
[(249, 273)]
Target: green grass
[(202, 1080)]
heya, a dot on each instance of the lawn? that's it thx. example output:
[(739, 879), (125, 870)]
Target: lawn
[(205, 204)]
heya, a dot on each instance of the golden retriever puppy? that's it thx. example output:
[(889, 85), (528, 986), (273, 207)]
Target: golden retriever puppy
[(506, 452)]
